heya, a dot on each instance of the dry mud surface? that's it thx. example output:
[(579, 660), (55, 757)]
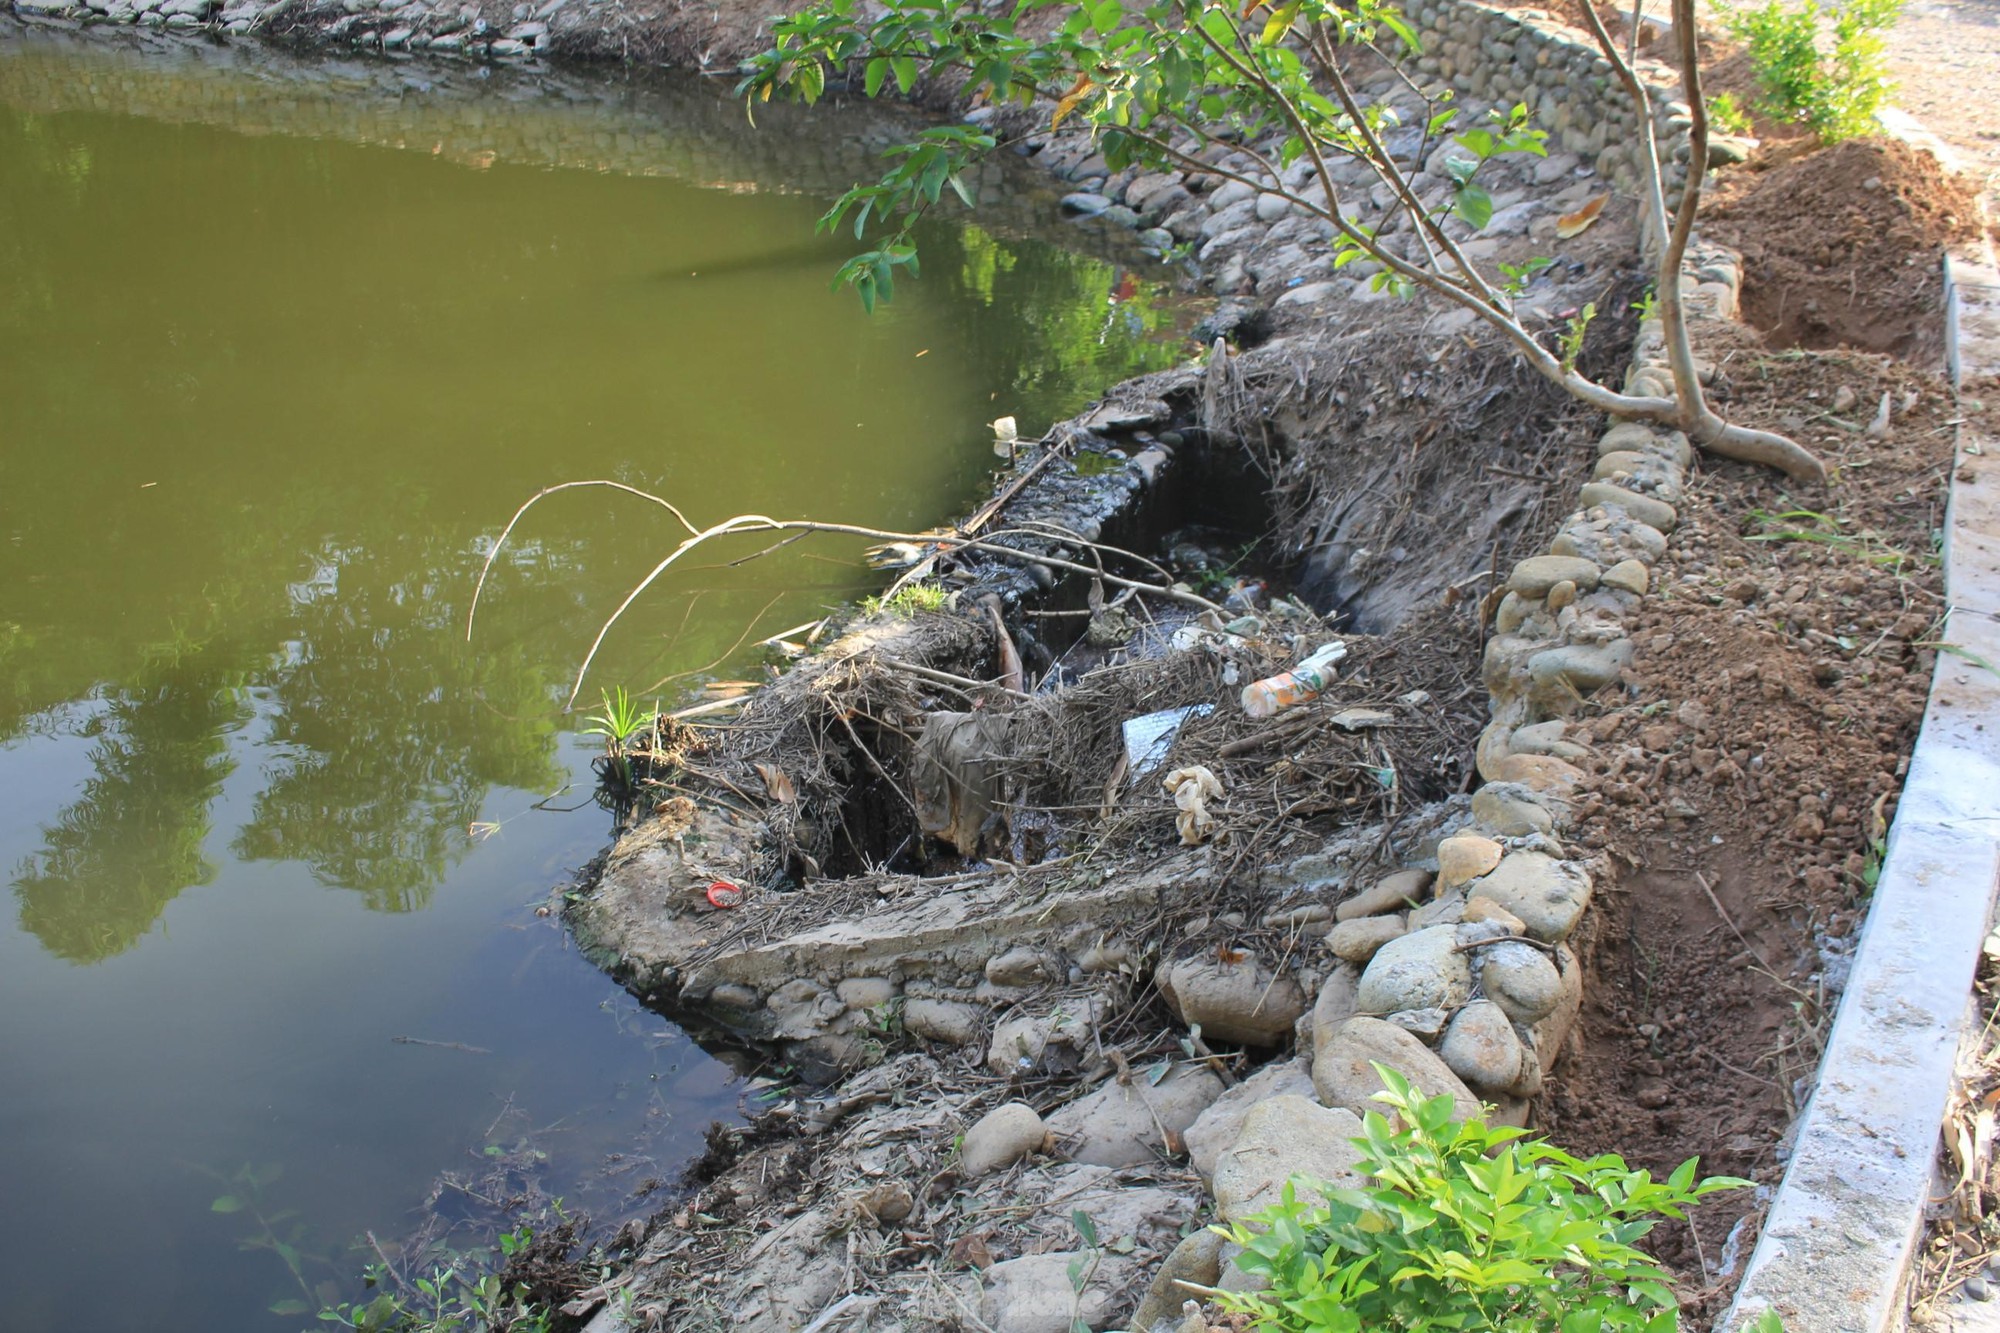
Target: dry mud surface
[(1744, 781)]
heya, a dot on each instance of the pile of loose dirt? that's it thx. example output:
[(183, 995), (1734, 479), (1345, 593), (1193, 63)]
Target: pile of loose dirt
[(1840, 245), (1744, 782)]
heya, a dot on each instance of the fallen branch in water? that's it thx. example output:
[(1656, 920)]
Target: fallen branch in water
[(947, 543)]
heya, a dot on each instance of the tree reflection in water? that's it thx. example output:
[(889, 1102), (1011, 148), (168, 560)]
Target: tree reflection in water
[(117, 855), (389, 729), (382, 733)]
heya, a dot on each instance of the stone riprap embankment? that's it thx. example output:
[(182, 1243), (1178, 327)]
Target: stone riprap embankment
[(1251, 240), (1248, 237)]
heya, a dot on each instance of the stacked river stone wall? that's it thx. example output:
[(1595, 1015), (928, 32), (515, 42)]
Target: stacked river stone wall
[(1533, 59)]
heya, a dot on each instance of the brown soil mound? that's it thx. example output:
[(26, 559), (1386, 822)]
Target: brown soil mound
[(1840, 244), (1781, 675)]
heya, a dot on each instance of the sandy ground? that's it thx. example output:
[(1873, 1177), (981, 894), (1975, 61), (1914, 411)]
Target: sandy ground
[(1945, 58)]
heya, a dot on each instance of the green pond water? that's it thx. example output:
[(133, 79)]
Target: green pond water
[(281, 347)]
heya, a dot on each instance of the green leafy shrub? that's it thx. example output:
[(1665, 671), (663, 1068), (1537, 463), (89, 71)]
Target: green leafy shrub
[(1727, 115), (1464, 1226), (1836, 95)]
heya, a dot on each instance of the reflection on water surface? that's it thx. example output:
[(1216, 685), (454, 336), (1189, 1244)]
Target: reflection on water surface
[(281, 346)]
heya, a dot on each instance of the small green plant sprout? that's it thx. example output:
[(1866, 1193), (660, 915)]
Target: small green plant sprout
[(909, 600), (447, 1301), (1463, 1226), (621, 721), (1831, 530), (1962, 653), (462, 1294), (1572, 339), (1082, 1268), (1647, 306), (1728, 115), (1516, 277), (1836, 95), (886, 1018), (623, 718)]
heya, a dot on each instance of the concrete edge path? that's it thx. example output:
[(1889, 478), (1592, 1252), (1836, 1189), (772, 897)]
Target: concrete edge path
[(1842, 1230)]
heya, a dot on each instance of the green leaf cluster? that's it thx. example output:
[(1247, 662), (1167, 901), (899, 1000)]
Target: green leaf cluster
[(462, 1295), (1836, 94), (1157, 85), (1727, 115), (1464, 1226)]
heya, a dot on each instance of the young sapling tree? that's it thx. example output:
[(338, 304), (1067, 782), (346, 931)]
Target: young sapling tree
[(1161, 83)]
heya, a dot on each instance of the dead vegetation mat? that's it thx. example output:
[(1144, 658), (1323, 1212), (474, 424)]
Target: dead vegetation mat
[(1439, 451), (1396, 456), (1961, 1257), (1741, 787), (1395, 732)]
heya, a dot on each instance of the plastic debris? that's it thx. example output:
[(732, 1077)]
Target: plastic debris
[(1148, 738), (1245, 595), (956, 778), (1307, 680), (1005, 436), (1193, 788), (724, 895), (1360, 719)]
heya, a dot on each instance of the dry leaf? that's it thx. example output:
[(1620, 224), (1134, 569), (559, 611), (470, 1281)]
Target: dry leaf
[(777, 784), (1575, 224), (971, 1250), (1071, 99)]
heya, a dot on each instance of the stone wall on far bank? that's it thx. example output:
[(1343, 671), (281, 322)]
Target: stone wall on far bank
[(1481, 51), (1532, 58), (520, 114)]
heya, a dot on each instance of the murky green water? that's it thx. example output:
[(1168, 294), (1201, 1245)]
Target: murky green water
[(264, 399)]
